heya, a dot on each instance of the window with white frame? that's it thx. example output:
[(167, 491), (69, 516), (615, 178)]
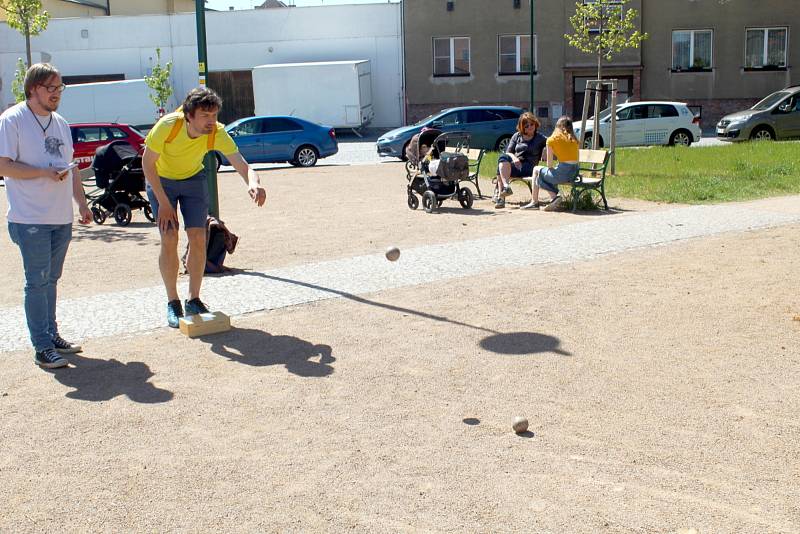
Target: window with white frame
[(451, 56), (765, 47), (611, 9), (515, 54), (691, 49)]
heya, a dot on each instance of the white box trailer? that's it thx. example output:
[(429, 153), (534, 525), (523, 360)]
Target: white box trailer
[(124, 101), (332, 93)]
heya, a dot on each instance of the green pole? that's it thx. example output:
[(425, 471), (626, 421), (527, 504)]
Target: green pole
[(533, 91), (210, 160)]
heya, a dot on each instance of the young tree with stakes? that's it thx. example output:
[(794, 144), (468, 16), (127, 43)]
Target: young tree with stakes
[(603, 28)]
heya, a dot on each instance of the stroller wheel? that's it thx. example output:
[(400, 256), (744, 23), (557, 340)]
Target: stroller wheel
[(148, 212), (413, 201), (429, 201), (98, 215), (122, 214), (465, 198)]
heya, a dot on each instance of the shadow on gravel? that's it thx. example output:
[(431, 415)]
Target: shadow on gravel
[(522, 343), (113, 234), (101, 380), (257, 348)]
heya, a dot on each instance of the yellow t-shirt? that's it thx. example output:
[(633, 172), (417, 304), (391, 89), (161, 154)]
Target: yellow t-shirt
[(563, 146), (182, 157)]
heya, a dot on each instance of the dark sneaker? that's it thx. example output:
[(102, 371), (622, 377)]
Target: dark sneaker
[(500, 204), (174, 313), (507, 192), (195, 307), (65, 347), (49, 359)]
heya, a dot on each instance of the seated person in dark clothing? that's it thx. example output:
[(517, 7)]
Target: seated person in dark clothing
[(523, 153)]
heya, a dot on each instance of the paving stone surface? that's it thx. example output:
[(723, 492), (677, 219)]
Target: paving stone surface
[(94, 316)]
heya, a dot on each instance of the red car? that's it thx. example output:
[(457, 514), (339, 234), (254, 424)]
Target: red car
[(88, 137)]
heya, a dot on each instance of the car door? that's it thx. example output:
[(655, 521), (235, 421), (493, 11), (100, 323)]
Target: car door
[(248, 138), (660, 122), (87, 139), (451, 122), (281, 138), (630, 125), (484, 127), (787, 117)]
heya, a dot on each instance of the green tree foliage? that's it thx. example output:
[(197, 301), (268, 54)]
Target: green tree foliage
[(158, 81), (18, 84), (603, 28), (27, 17)]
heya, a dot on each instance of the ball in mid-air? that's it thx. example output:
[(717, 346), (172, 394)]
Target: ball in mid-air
[(392, 253)]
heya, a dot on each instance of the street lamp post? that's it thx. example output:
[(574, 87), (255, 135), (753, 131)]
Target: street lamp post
[(533, 92), (210, 160)]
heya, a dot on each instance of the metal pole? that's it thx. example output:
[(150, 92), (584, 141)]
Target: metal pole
[(533, 90), (210, 160)]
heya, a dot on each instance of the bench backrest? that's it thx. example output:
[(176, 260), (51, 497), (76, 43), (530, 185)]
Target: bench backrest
[(592, 156), (474, 154)]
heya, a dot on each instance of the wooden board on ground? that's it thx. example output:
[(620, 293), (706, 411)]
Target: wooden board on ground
[(204, 324)]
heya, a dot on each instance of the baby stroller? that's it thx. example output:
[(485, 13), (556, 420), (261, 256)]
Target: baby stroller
[(439, 177), (120, 181)]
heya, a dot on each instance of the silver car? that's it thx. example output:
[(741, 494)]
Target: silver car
[(775, 117)]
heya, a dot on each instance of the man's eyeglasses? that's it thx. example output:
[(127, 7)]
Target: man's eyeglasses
[(54, 88)]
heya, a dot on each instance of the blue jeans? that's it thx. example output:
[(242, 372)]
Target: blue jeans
[(43, 248)]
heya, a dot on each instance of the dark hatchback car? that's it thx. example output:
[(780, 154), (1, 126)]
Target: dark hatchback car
[(490, 127), (282, 139)]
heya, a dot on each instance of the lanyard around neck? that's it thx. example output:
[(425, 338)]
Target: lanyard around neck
[(44, 128)]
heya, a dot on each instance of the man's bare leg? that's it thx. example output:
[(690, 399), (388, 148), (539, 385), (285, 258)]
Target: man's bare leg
[(196, 262), (168, 262)]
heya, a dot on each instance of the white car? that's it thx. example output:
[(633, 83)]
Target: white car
[(646, 123)]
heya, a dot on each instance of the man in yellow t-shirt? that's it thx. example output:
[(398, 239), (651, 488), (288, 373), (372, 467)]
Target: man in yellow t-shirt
[(173, 167)]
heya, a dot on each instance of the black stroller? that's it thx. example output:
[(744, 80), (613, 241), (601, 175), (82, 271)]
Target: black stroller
[(120, 181), (439, 177)]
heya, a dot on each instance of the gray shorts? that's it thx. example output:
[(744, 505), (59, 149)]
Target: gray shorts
[(563, 173), (190, 194)]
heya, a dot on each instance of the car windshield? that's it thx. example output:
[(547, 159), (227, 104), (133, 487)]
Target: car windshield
[(770, 101), (426, 119), (134, 130)]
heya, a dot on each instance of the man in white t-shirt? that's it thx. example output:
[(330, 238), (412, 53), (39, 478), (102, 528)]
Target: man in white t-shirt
[(35, 153)]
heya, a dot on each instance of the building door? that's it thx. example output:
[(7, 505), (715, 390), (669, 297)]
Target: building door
[(235, 87), (624, 85)]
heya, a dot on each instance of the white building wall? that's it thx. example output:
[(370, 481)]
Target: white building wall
[(237, 40)]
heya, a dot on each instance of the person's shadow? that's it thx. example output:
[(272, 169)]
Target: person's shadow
[(102, 380), (257, 348)]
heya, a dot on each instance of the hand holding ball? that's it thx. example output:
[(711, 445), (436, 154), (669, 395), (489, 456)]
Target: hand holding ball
[(392, 253)]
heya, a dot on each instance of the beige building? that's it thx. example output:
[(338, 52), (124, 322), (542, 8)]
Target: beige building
[(97, 8), (716, 56)]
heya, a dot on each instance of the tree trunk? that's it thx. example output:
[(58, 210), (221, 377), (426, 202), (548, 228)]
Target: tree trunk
[(28, 43), (598, 88)]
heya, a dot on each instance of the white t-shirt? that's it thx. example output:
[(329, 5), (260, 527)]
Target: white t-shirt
[(37, 200)]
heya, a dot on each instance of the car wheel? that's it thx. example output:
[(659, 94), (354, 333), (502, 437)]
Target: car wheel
[(762, 133), (98, 215), (502, 143), (293, 163), (403, 156), (306, 156), (587, 142), (122, 214), (465, 198), (680, 138)]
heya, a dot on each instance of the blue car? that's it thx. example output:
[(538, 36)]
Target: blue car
[(490, 127), (281, 139)]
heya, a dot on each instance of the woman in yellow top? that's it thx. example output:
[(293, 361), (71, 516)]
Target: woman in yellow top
[(564, 146)]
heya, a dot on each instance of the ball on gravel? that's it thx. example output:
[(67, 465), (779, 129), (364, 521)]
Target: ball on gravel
[(392, 253), (520, 424)]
